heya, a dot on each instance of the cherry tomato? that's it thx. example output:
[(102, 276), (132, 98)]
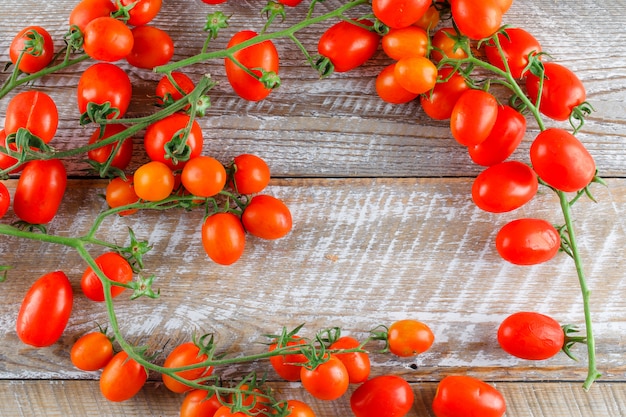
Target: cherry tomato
[(143, 11), (40, 191), (388, 88), (462, 396), (382, 396), (124, 154), (516, 45), (224, 411), (152, 47), (33, 110), (561, 160), (399, 13), (252, 174), (7, 161), (405, 42), (223, 238), (505, 136), (439, 102), (203, 176), (347, 45), (38, 46), (261, 55), (430, 19), (104, 82), (199, 403), (121, 192), (408, 337), (445, 43), (153, 181), (122, 378), (267, 217), (528, 241), (357, 363), (562, 91), (92, 351), (5, 200), (107, 39), (185, 354), (168, 132), (504, 187), (214, 1), (473, 117), (115, 267), (167, 93), (290, 3), (253, 398), (87, 10), (286, 365), (531, 335), (45, 310), (416, 74), (477, 19), (328, 381), (298, 408)]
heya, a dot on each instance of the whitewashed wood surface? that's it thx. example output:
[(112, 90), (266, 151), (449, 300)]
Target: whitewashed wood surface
[(384, 228)]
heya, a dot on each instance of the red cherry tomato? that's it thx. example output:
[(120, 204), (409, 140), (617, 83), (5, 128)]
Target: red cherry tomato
[(290, 3), (516, 45), (462, 396), (45, 310), (531, 335), (528, 241), (203, 176), (286, 365), (143, 11), (152, 47), (561, 160), (38, 46), (382, 396), (405, 42), (347, 45), (409, 338), (167, 132), (252, 174), (121, 192), (92, 351), (262, 55), (107, 39), (445, 43), (505, 136), (299, 409), (477, 19), (267, 217), (562, 91), (199, 403), (7, 161), (122, 378), (223, 238), (439, 102), (399, 13), (124, 154), (32, 110), (104, 82), (185, 354), (473, 117), (504, 187), (388, 88), (40, 191), (167, 93), (328, 381), (214, 1), (87, 10), (5, 200), (115, 267), (357, 363)]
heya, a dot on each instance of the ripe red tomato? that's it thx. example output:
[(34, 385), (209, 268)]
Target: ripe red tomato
[(153, 181), (399, 13), (92, 351), (33, 110), (107, 39), (167, 93), (104, 82), (115, 267), (439, 102), (40, 191), (286, 365), (87, 10), (267, 217), (408, 337), (223, 238), (124, 154), (347, 45), (462, 396), (251, 174), (38, 46), (224, 411), (214, 1), (7, 161), (388, 88), (445, 44), (199, 403), (299, 409), (5, 200), (382, 396), (290, 3), (405, 42), (121, 192), (416, 74), (45, 310), (261, 55), (122, 378), (517, 45), (505, 136), (357, 363), (203, 176), (562, 91), (328, 381), (152, 47), (561, 160), (185, 354), (531, 335), (167, 133), (528, 241), (473, 117), (504, 187), (143, 11), (477, 19)]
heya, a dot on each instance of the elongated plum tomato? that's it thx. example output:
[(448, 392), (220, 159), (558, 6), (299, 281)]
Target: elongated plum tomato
[(87, 10), (388, 88), (517, 45), (399, 13), (357, 363), (122, 378), (92, 351), (561, 160), (115, 267), (261, 55), (166, 135), (504, 138), (405, 42), (100, 155), (382, 396), (477, 19), (185, 354), (107, 39), (531, 335), (35, 111), (267, 217), (462, 396), (199, 403), (151, 47), (439, 102), (142, 11), (528, 241), (45, 310), (473, 117), (504, 187), (286, 365), (416, 74), (223, 238), (562, 90), (38, 47), (40, 191), (347, 45)]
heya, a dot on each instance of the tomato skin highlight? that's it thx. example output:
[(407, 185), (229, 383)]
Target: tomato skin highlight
[(528, 241), (115, 267), (382, 396), (122, 378), (40, 191), (504, 187), (530, 335), (223, 238), (504, 138), (32, 63), (92, 351), (347, 45), (562, 91), (473, 117), (45, 310), (463, 396)]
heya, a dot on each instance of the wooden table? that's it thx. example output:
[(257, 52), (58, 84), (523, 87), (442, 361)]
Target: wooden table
[(384, 229)]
